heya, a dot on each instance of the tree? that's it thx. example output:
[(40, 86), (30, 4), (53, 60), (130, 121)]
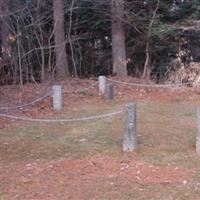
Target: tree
[(100, 35), (62, 66), (118, 38), (5, 33), (147, 70)]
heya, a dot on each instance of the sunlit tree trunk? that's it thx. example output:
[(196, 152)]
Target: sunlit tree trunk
[(118, 38)]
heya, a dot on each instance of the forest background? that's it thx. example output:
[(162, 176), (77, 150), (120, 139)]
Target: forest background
[(44, 40)]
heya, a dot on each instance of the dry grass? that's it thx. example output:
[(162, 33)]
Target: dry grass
[(166, 135)]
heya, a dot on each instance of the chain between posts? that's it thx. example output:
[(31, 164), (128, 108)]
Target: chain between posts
[(27, 104), (81, 90), (152, 86), (44, 97), (91, 86), (95, 117)]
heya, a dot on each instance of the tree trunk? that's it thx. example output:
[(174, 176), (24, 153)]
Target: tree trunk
[(118, 38), (147, 70), (40, 39), (19, 55), (5, 31), (62, 67)]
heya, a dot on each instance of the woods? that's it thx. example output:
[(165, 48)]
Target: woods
[(47, 40)]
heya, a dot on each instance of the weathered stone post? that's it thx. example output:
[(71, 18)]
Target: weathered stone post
[(110, 92), (130, 132), (102, 84), (57, 97), (198, 131)]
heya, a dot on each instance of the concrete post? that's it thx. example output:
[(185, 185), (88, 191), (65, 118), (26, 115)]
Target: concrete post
[(198, 131), (130, 132), (102, 84), (110, 92), (57, 98)]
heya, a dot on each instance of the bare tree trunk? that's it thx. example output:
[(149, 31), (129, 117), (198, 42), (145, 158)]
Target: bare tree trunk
[(70, 40), (146, 71), (62, 67), (19, 56), (5, 31), (40, 38), (118, 38), (50, 63)]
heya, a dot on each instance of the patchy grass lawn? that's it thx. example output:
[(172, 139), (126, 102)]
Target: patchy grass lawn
[(85, 161)]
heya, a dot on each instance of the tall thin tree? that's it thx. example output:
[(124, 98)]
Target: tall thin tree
[(5, 32), (147, 70)]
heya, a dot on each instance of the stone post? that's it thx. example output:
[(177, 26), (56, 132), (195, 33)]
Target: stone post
[(102, 84), (57, 98), (110, 92), (130, 132), (198, 131)]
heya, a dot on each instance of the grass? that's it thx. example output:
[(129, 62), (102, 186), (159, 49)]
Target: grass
[(166, 131), (47, 141)]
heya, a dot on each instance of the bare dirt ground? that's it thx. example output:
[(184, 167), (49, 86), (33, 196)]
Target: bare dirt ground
[(85, 160), (72, 178)]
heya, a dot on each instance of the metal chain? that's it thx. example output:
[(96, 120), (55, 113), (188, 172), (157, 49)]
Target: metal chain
[(152, 86), (82, 89), (95, 117), (27, 104), (45, 96)]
